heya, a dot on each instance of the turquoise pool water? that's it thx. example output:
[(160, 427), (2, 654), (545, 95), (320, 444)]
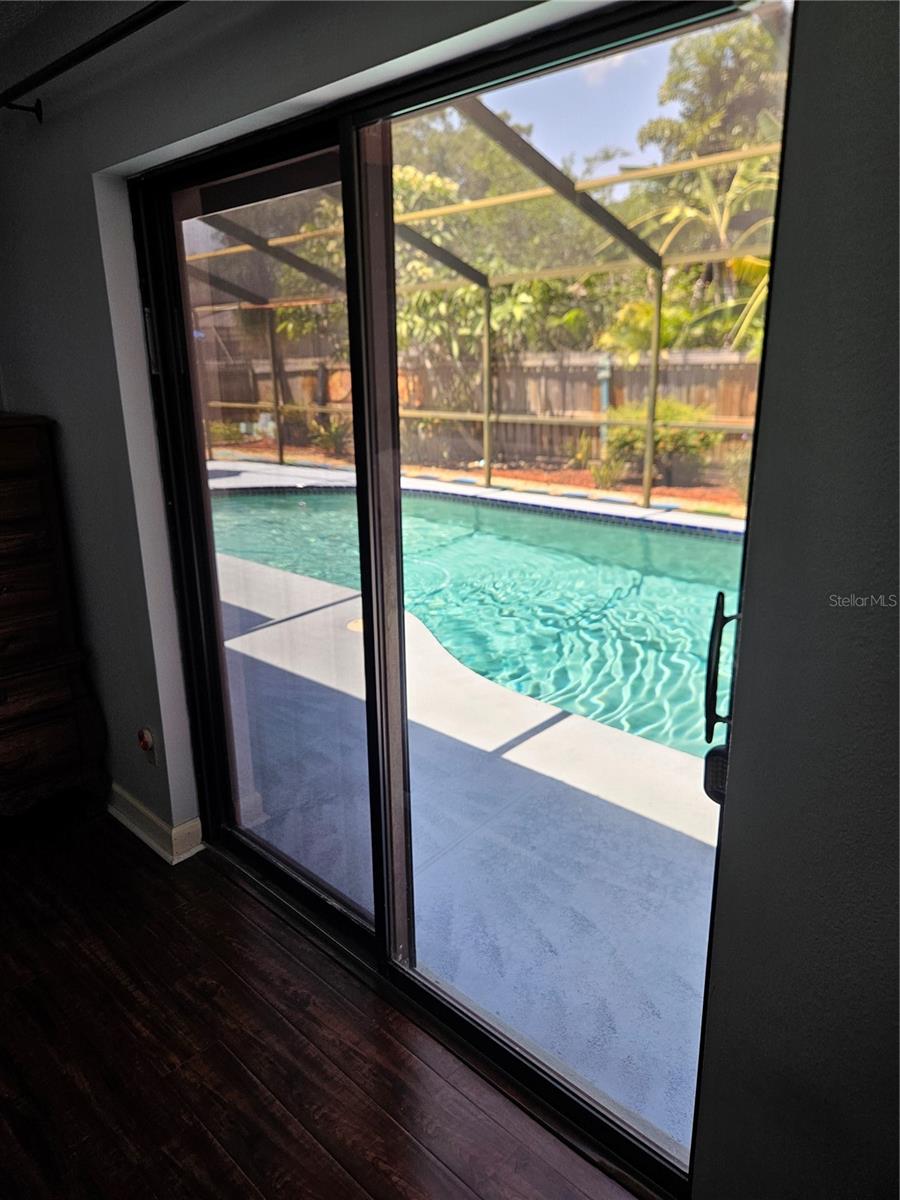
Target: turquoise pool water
[(605, 620)]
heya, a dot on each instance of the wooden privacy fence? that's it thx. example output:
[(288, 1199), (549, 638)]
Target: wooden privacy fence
[(558, 384), (540, 402)]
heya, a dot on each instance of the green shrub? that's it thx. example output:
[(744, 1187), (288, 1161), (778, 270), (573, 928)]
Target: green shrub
[(222, 433), (609, 473), (736, 465), (671, 446), (295, 423), (333, 438)]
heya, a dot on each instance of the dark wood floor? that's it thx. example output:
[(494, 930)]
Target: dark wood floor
[(164, 1033)]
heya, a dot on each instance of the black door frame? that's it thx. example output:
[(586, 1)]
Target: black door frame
[(360, 128)]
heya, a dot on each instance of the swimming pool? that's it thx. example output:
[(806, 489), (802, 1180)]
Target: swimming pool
[(606, 619)]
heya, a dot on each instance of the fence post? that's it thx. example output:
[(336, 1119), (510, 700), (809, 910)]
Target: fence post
[(486, 385), (276, 384), (654, 385), (203, 373), (207, 435)]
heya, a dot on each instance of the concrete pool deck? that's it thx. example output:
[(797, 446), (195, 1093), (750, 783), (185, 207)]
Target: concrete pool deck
[(235, 474), (562, 869)]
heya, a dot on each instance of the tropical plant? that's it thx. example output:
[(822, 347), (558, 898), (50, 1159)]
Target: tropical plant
[(609, 472), (728, 84), (334, 437), (628, 334), (719, 305), (581, 451), (727, 220)]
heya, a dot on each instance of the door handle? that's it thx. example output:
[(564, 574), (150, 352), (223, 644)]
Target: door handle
[(715, 767), (719, 622)]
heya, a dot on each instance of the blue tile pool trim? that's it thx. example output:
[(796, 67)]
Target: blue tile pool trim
[(568, 514)]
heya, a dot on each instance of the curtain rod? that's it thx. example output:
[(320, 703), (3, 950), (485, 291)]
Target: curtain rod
[(73, 58)]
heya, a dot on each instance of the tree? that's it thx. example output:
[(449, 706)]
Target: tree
[(727, 82), (729, 85)]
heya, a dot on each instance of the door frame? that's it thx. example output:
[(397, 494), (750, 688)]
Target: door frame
[(360, 127)]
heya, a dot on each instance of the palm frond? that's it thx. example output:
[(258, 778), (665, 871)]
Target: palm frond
[(670, 237), (749, 232), (749, 269), (742, 326)]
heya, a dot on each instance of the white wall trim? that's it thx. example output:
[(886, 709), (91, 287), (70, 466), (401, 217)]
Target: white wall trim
[(173, 748), (174, 843)]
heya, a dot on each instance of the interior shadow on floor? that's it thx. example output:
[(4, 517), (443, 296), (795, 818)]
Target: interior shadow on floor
[(578, 924)]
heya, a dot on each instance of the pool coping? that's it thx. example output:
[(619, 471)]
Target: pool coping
[(574, 508), (653, 780)]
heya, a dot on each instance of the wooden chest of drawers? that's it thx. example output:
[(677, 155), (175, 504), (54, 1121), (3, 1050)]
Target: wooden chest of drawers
[(51, 730)]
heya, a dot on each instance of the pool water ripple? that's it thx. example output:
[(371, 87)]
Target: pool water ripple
[(600, 619)]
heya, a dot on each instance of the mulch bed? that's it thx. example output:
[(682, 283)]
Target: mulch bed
[(562, 477)]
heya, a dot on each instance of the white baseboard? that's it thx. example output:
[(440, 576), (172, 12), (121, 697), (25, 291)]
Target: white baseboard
[(174, 843)]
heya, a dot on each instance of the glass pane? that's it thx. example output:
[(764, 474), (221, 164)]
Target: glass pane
[(265, 288), (558, 597)]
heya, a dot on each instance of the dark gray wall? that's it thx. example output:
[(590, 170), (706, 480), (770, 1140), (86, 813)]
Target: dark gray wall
[(797, 1093)]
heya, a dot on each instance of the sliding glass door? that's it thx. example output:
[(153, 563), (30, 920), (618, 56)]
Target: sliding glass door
[(581, 267), (262, 267), (470, 399)]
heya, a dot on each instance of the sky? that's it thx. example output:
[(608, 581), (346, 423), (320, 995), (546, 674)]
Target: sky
[(578, 110), (583, 109)]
